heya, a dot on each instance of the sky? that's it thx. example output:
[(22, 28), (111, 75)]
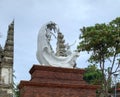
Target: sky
[(30, 15)]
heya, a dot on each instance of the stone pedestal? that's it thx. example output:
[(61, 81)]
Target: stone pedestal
[(56, 82)]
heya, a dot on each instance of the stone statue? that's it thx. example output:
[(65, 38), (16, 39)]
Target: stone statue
[(45, 54), (68, 48)]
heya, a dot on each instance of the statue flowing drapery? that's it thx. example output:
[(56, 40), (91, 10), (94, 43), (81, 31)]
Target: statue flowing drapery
[(45, 54)]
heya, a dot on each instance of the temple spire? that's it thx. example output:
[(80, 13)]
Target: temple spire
[(61, 49), (6, 65), (9, 45)]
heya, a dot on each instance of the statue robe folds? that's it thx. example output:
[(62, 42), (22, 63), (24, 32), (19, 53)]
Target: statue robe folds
[(45, 54)]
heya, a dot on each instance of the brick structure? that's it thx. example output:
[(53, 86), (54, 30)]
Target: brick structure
[(56, 82), (117, 92)]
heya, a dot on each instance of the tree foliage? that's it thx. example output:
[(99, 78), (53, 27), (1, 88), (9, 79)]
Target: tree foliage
[(103, 40), (92, 75), (17, 91)]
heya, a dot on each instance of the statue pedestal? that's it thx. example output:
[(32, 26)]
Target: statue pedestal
[(56, 82)]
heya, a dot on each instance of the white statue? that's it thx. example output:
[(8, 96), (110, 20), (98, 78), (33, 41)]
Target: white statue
[(45, 54), (68, 48)]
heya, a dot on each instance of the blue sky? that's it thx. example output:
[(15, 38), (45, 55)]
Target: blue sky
[(30, 15)]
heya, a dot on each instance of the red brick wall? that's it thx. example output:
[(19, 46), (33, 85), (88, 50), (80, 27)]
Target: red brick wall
[(56, 92), (56, 82)]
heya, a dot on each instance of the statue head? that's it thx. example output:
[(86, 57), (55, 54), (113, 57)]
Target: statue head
[(52, 26)]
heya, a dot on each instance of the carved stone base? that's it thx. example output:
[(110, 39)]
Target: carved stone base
[(56, 82)]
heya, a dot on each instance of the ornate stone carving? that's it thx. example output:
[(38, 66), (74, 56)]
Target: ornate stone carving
[(6, 64), (60, 50)]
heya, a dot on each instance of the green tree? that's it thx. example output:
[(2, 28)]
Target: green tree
[(92, 75), (17, 91), (103, 41)]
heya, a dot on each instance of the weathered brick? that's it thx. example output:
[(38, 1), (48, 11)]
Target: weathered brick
[(56, 82)]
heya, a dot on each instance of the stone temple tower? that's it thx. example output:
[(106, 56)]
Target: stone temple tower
[(6, 64), (61, 49)]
